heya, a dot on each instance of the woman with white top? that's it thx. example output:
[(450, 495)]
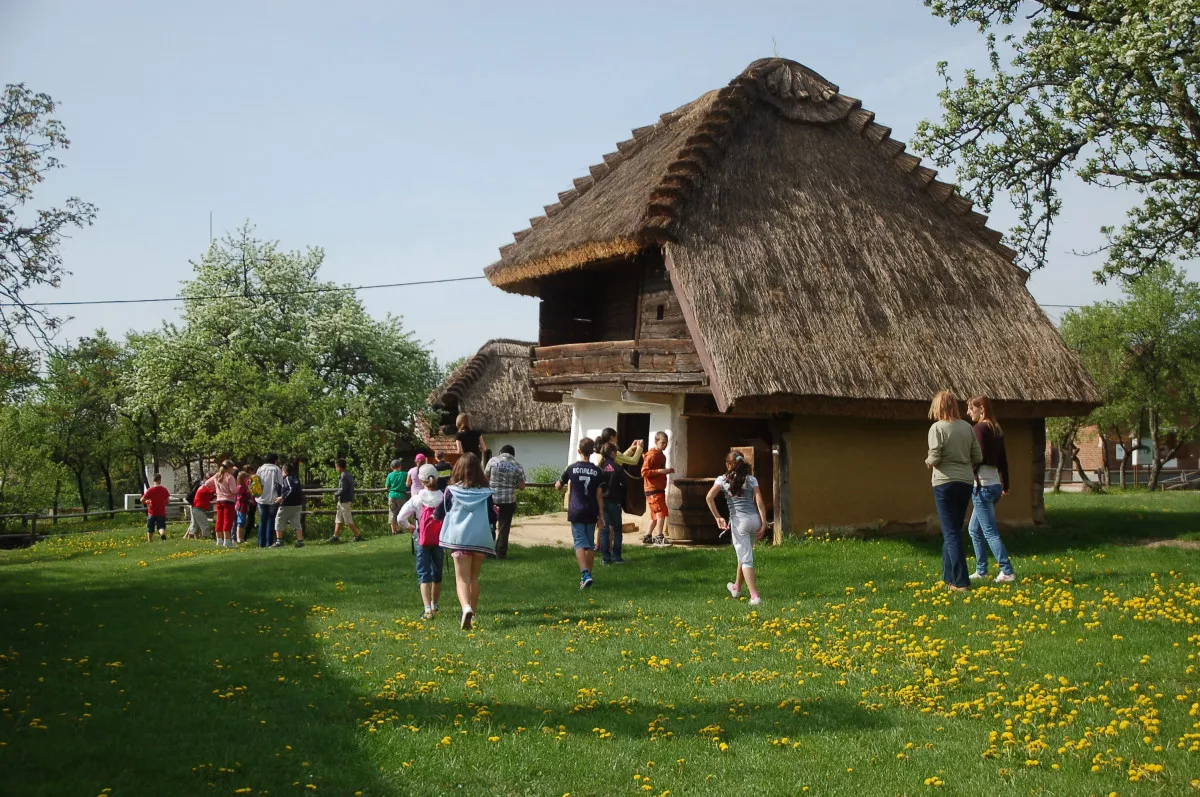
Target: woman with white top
[(992, 485), (747, 519)]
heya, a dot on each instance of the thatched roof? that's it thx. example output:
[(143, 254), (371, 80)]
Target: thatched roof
[(493, 387), (813, 256)]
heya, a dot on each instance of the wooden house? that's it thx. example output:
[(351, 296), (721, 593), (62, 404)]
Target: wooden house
[(493, 387), (765, 266)]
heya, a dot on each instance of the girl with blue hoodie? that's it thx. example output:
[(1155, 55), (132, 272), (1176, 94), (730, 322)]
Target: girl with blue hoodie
[(466, 512)]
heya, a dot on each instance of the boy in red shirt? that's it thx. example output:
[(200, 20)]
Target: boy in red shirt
[(654, 480), (155, 500)]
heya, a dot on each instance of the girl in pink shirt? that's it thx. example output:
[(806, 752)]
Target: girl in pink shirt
[(225, 486)]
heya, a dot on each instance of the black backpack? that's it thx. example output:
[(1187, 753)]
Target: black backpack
[(191, 496)]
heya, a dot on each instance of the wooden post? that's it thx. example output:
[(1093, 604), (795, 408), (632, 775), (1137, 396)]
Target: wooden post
[(1039, 471), (781, 498), (32, 530)]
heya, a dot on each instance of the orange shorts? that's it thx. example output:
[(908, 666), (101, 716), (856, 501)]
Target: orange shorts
[(657, 504)]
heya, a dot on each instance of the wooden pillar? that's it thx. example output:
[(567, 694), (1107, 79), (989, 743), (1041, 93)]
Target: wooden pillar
[(781, 497), (1039, 471)]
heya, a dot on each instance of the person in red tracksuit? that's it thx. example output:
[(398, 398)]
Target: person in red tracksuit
[(224, 485), (155, 499)]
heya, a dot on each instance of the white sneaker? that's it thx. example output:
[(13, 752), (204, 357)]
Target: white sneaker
[(756, 601), (1006, 578), (977, 576), (733, 591), (468, 616)]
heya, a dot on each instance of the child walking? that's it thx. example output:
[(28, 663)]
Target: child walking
[(243, 505), (583, 512), (291, 507), (466, 512), (747, 519), (654, 479), (397, 491), (423, 505), (201, 503), (344, 496), (613, 483), (225, 487), (155, 499)]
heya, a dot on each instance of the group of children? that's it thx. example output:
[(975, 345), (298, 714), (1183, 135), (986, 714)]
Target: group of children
[(458, 516)]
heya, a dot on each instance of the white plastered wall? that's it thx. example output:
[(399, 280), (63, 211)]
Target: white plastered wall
[(533, 448), (594, 410)]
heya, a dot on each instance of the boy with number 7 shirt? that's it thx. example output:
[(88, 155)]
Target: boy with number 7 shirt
[(583, 511)]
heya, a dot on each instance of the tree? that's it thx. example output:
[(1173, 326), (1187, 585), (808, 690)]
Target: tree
[(1105, 90), (1061, 432), (79, 399), (1144, 354), (29, 241), (267, 357)]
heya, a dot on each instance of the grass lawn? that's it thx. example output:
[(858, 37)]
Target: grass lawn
[(173, 668)]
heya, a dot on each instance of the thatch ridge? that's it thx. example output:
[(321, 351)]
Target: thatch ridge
[(493, 385), (639, 194)]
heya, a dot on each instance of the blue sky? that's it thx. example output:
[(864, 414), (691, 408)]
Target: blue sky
[(410, 141)]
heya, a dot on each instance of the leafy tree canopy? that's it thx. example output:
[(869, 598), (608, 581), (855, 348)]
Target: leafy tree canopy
[(1106, 90)]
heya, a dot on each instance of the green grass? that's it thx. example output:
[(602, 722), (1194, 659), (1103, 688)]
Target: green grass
[(129, 668)]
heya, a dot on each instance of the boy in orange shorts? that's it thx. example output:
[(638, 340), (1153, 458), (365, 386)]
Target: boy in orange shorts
[(654, 479)]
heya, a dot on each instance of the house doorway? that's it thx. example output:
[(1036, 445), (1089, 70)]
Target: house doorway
[(633, 426)]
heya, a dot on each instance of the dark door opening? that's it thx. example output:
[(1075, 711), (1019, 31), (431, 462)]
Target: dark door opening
[(633, 426)]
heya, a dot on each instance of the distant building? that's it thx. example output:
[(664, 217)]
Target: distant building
[(493, 387)]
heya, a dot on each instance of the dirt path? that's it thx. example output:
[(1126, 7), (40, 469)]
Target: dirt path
[(554, 530)]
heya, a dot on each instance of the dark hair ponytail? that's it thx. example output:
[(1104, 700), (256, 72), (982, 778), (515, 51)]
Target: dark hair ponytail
[(736, 471)]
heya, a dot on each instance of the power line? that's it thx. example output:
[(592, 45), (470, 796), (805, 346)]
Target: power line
[(307, 291), (267, 295)]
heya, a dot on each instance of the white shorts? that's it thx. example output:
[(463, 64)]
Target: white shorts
[(344, 515), (744, 532)]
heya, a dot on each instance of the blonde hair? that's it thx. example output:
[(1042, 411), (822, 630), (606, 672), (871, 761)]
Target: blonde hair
[(944, 406), (984, 405), (463, 421)]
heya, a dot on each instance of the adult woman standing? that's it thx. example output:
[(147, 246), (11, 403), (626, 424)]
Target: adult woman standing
[(468, 440), (953, 456), (466, 511), (993, 483), (747, 519)]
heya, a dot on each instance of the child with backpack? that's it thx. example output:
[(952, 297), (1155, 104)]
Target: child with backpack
[(423, 505)]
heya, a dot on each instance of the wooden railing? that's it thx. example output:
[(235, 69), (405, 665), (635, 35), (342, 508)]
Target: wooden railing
[(655, 362)]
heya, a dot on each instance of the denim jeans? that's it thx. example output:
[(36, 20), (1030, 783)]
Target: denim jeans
[(429, 564), (984, 531), (952, 500), (611, 532), (266, 524)]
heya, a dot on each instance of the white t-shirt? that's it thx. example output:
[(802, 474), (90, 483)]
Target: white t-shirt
[(272, 482), (741, 505), (989, 475)]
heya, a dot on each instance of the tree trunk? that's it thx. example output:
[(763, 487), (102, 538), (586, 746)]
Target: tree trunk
[(57, 494), (1088, 485), (83, 501), (1124, 460), (1155, 462), (108, 484), (1058, 471)]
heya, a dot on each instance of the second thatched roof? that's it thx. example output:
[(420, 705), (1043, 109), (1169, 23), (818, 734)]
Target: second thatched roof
[(493, 387), (812, 255)]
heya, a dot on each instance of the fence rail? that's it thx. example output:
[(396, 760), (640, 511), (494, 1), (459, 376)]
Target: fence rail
[(30, 519)]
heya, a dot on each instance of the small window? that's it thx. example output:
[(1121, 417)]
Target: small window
[(660, 312)]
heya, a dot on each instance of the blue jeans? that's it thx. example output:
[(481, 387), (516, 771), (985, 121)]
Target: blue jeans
[(429, 564), (266, 524), (952, 500), (611, 532), (984, 531)]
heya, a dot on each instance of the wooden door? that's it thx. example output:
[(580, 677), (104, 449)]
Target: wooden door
[(633, 426)]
